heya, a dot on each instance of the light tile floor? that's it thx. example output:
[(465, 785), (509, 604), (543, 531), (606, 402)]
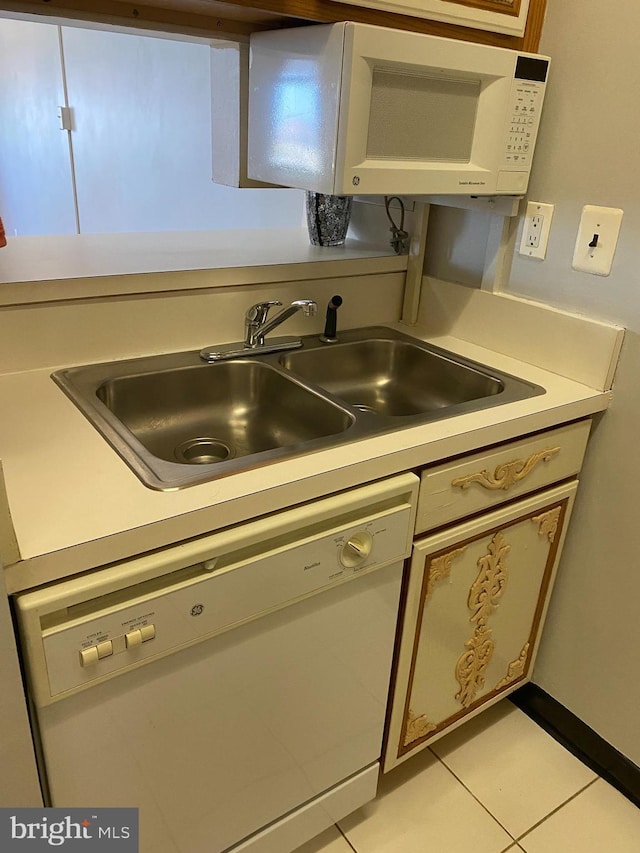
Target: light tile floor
[(498, 780)]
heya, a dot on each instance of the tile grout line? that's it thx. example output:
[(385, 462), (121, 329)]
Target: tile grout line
[(457, 778), (531, 828), (557, 809), (514, 844), (339, 828)]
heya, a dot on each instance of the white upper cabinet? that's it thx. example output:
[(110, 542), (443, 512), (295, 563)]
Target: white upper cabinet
[(142, 140), (136, 153), (36, 195)]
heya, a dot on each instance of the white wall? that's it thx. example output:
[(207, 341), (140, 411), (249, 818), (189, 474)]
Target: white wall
[(588, 153), (456, 245)]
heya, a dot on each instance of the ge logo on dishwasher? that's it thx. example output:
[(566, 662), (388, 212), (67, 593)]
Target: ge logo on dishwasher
[(197, 609)]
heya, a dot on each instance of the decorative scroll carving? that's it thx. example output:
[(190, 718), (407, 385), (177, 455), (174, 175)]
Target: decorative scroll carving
[(548, 523), (472, 664), (488, 588), (439, 569), (515, 669), (484, 596), (417, 727), (508, 474)]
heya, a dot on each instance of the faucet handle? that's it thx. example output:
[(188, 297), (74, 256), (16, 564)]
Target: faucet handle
[(258, 312)]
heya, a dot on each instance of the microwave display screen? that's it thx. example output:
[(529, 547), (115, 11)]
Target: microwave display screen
[(531, 68), (443, 117)]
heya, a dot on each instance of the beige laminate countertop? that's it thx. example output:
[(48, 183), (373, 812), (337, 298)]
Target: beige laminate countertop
[(76, 505)]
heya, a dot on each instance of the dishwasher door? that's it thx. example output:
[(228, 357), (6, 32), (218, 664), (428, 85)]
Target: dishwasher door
[(231, 687)]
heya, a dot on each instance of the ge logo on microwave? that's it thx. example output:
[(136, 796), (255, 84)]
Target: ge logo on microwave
[(197, 609)]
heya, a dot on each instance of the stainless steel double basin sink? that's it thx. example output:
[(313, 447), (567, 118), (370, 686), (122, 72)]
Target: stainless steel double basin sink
[(178, 421)]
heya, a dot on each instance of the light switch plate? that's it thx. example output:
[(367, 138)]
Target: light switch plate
[(597, 239), (535, 230)]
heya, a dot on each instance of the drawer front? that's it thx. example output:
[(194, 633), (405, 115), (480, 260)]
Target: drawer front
[(457, 489)]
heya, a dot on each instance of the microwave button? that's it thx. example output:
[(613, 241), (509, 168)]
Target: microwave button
[(513, 182)]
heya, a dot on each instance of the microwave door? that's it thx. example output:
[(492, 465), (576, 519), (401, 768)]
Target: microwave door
[(421, 118)]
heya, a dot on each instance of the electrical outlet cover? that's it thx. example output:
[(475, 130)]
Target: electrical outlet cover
[(535, 230)]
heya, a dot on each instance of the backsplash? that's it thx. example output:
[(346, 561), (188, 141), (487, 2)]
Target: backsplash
[(91, 330)]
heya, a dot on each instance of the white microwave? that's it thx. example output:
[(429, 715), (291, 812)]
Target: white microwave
[(351, 109)]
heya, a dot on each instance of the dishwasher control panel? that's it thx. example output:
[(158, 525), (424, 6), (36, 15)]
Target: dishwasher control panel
[(105, 649), (79, 653), (110, 633)]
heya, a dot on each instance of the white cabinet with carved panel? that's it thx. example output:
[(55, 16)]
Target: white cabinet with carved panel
[(476, 602), (499, 16)]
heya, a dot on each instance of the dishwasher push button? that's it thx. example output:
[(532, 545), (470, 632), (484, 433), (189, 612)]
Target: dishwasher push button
[(89, 656), (148, 632), (139, 635), (105, 650), (133, 638), (93, 654)]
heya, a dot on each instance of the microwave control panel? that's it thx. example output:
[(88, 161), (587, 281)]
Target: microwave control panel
[(523, 122), (523, 115)]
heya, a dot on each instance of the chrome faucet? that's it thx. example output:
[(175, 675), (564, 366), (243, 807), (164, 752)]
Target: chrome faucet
[(257, 326)]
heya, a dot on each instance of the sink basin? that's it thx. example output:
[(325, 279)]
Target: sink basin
[(392, 377), (195, 415), (177, 421), (175, 424)]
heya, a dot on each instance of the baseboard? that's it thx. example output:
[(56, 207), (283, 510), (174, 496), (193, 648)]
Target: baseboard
[(580, 740)]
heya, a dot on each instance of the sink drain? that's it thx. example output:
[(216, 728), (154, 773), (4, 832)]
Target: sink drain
[(202, 451)]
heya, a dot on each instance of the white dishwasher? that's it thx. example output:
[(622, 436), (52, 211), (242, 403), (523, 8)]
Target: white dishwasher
[(234, 687)]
